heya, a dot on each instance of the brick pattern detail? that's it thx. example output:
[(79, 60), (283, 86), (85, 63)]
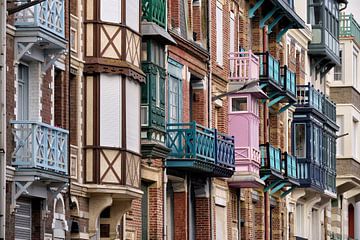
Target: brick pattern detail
[(202, 222), (180, 216)]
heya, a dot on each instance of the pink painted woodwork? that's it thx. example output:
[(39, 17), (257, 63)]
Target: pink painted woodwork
[(244, 66)]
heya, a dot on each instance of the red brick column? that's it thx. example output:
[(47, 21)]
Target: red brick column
[(180, 216), (156, 213), (202, 220)]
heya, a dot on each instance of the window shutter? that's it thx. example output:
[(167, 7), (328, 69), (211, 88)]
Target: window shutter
[(132, 14), (23, 221), (133, 116), (110, 110), (110, 11)]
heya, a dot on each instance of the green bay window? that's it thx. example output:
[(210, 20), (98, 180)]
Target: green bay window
[(300, 140)]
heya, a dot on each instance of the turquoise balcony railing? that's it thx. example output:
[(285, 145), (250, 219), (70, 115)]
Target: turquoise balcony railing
[(290, 166), (270, 157), (39, 145), (48, 15), (154, 11), (308, 96), (193, 141), (289, 79), (349, 27), (270, 68)]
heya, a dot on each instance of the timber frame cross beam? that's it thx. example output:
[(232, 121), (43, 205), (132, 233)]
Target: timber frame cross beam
[(26, 4)]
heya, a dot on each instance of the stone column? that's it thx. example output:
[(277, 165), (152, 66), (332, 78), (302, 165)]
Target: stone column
[(357, 220)]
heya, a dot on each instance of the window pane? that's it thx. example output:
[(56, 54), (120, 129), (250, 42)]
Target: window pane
[(110, 11), (300, 140), (239, 104)]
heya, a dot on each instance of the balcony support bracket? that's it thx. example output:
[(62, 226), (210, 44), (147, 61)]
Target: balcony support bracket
[(273, 24), (50, 60), (264, 178), (55, 192), (283, 109), (287, 192), (22, 49), (255, 7), (273, 184), (275, 100), (18, 188), (277, 188), (267, 17), (282, 32)]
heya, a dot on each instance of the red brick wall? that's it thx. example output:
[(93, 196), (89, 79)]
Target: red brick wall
[(202, 221), (180, 216)]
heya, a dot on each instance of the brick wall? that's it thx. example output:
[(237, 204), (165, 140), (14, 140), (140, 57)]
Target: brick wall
[(202, 221), (180, 216)]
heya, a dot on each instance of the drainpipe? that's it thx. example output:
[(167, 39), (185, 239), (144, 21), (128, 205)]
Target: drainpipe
[(211, 209), (266, 139), (2, 118), (165, 179), (239, 213)]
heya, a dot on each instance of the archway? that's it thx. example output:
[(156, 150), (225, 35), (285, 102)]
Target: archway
[(351, 216), (59, 224)]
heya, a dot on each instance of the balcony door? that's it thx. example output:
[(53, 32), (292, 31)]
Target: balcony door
[(23, 93), (175, 92)]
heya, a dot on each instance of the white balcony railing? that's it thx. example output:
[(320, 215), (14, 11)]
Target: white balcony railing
[(48, 15), (39, 145)]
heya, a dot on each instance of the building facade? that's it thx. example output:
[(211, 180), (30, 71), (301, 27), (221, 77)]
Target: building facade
[(180, 119)]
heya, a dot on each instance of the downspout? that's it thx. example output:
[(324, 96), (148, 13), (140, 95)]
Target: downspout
[(210, 105), (266, 121), (2, 118), (239, 213), (165, 179)]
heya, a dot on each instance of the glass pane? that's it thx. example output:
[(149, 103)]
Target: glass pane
[(239, 104), (300, 140)]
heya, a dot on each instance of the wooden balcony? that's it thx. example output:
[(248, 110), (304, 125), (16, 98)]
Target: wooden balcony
[(40, 150), (288, 78), (271, 162), (154, 11), (48, 16), (244, 67), (291, 168), (198, 149), (349, 28)]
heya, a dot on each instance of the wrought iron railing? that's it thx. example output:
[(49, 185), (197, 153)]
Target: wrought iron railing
[(290, 166), (289, 79), (193, 141), (349, 27), (154, 11), (39, 145), (269, 68), (244, 66), (270, 157), (48, 15)]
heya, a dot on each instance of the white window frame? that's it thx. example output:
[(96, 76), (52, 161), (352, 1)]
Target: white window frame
[(219, 34), (248, 106)]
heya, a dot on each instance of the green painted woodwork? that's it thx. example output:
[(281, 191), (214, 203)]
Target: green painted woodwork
[(270, 158), (154, 11), (349, 27)]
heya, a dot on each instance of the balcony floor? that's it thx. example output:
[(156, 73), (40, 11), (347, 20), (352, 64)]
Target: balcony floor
[(32, 174), (199, 166)]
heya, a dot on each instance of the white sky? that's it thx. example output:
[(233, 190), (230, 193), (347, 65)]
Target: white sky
[(354, 8)]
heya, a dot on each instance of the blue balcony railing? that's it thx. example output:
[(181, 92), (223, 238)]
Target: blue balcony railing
[(48, 15), (290, 166), (39, 145), (270, 157), (288, 77), (193, 141), (308, 96), (269, 68)]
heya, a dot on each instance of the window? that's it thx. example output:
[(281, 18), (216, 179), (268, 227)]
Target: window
[(221, 232), (132, 14), (316, 144), (338, 69), (110, 110), (300, 140), (340, 141), (23, 220), (239, 104), (354, 138), (299, 220), (133, 116), (355, 69), (145, 210), (110, 11), (219, 33), (232, 38), (174, 91), (23, 93)]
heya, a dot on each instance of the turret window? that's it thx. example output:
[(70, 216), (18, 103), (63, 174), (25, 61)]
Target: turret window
[(239, 104)]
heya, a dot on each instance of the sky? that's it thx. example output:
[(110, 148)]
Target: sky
[(354, 8)]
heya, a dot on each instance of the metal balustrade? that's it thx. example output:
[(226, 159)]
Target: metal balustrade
[(39, 145), (244, 66), (154, 11), (329, 109), (349, 27), (193, 141), (269, 68), (289, 79), (48, 15), (271, 157)]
